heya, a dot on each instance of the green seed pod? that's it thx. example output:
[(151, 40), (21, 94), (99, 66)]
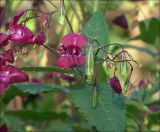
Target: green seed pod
[(94, 97), (61, 16), (126, 85), (89, 67), (106, 68), (124, 70)]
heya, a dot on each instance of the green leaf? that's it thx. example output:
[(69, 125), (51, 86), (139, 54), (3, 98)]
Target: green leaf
[(35, 88), (153, 118), (109, 113), (36, 115), (30, 88), (149, 29), (96, 29), (10, 93), (45, 69)]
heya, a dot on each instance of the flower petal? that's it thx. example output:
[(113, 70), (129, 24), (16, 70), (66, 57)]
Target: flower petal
[(115, 84), (17, 17), (7, 56), (21, 35), (3, 39), (74, 40), (66, 62), (11, 74)]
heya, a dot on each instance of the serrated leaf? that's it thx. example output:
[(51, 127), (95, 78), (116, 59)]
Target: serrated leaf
[(35, 88), (36, 115), (109, 113), (96, 29), (30, 88)]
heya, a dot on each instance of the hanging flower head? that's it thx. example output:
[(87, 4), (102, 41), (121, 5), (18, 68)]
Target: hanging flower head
[(71, 51), (115, 84)]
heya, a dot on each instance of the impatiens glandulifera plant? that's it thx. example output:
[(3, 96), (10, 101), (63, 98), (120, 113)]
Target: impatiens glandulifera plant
[(80, 54)]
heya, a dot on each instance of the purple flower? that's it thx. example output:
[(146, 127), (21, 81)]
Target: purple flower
[(71, 51), (67, 77), (74, 39), (15, 19), (3, 39), (121, 21), (7, 56), (115, 84), (40, 39), (21, 35), (10, 74)]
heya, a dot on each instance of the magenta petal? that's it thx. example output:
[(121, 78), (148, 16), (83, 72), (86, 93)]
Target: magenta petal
[(3, 39), (21, 35), (41, 38), (17, 17), (66, 62), (11, 74), (74, 40), (115, 84), (81, 60), (68, 78), (7, 56)]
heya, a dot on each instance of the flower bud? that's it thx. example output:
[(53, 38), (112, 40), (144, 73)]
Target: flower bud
[(89, 67), (115, 85)]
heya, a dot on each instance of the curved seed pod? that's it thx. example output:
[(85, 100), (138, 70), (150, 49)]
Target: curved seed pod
[(124, 70), (61, 14), (89, 67), (126, 85), (106, 69)]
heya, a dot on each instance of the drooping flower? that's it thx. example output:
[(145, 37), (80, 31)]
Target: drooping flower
[(16, 18), (115, 84), (121, 21), (21, 35), (71, 51), (10, 74), (3, 39)]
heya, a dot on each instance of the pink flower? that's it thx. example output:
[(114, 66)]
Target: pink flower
[(74, 39), (3, 39), (10, 74), (7, 56), (15, 19), (115, 84), (67, 77), (21, 34), (40, 39), (71, 51)]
